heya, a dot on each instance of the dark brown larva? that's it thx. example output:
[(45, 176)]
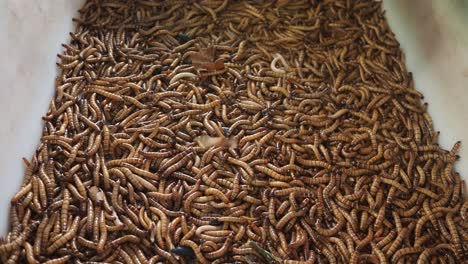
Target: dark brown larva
[(224, 131)]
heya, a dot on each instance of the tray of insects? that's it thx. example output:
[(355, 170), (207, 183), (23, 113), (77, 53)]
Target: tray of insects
[(233, 131)]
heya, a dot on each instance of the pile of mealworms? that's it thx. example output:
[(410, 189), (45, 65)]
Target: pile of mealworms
[(237, 132)]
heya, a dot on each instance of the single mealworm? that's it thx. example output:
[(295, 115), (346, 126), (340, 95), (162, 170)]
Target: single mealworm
[(193, 245), (405, 251), (183, 75), (24, 190), (275, 175), (102, 233), (60, 260), (66, 237), (286, 218), (217, 193), (64, 210)]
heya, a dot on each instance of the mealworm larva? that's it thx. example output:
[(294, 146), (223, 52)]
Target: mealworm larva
[(397, 242), (95, 222), (221, 251), (207, 106), (300, 191), (427, 192), (169, 162), (60, 260), (275, 175), (241, 164), (64, 210), (37, 246), (86, 243), (217, 193), (109, 95), (155, 155), (29, 253), (106, 138), (405, 251), (313, 163), (183, 75), (89, 122), (164, 221), (241, 50), (380, 255), (74, 192), (287, 217), (125, 256), (95, 147), (65, 237), (423, 257), (177, 165), (395, 184), (24, 190), (102, 233), (458, 247), (120, 162), (193, 245)]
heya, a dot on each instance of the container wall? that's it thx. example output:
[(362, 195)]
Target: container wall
[(30, 36), (434, 38)]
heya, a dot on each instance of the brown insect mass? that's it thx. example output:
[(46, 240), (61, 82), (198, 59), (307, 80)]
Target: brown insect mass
[(213, 126)]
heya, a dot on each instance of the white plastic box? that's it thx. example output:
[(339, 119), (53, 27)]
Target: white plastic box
[(430, 31)]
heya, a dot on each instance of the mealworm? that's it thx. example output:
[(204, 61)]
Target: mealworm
[(423, 257), (66, 237), (102, 233), (86, 243), (177, 165), (275, 175), (195, 248), (60, 260), (398, 240), (37, 246), (286, 218), (313, 163), (64, 210), (405, 251), (182, 75), (221, 251), (366, 240), (24, 190), (218, 193), (296, 190)]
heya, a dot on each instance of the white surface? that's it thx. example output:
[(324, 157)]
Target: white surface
[(434, 37), (31, 33)]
